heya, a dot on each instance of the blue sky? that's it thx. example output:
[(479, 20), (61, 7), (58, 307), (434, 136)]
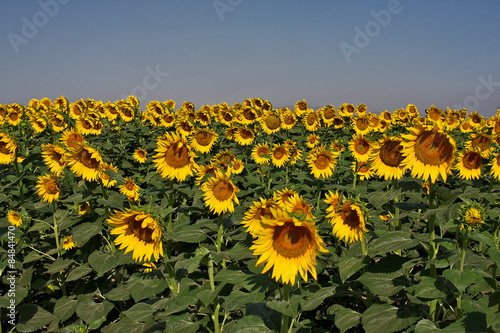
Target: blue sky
[(386, 54)]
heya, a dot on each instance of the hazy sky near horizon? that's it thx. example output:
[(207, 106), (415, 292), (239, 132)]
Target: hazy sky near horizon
[(386, 54)]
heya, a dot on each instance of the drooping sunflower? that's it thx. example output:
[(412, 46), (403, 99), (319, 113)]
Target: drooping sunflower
[(84, 208), (54, 158), (349, 221), (174, 158), (322, 162), (202, 140), (387, 158), (225, 157), (8, 148), (288, 246), (338, 122), (360, 148), (14, 218), (58, 122), (85, 162), (140, 155), (429, 152), (220, 194), (261, 153), (67, 243), (138, 232), (39, 124), (203, 115), (252, 220), (48, 188), (495, 166), (469, 163), (279, 155)]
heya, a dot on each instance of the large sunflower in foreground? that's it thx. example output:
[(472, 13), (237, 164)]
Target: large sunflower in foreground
[(220, 193), (322, 162), (139, 232), (348, 221), (48, 188), (8, 147), (387, 159), (469, 163), (85, 162), (429, 152), (288, 246), (174, 158)]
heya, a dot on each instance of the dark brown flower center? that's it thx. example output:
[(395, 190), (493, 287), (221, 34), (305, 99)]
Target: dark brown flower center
[(292, 241), (433, 147), (390, 153)]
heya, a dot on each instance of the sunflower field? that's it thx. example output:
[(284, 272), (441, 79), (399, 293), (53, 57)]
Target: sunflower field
[(247, 218)]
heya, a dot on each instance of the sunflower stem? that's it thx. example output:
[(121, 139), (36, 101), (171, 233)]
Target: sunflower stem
[(285, 318), (319, 184), (355, 177), (220, 236), (21, 185), (465, 242), (432, 249)]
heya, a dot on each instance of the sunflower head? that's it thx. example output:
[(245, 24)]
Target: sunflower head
[(174, 158), (8, 149), (261, 153), (138, 232), (85, 161), (348, 219), (48, 188), (220, 194), (140, 155), (68, 243), (202, 140), (472, 215), (14, 218)]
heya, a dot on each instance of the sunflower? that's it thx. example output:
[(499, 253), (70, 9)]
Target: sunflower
[(312, 140), (465, 127), (226, 116), (469, 163), (387, 160), (203, 115), (261, 153), (360, 148), (252, 220), (57, 121), (363, 169), (311, 121), (130, 189), (140, 155), (334, 201), (225, 157), (349, 221), (482, 142), (288, 118), (289, 246), (429, 152), (295, 153), (475, 120), (387, 116), (68, 243), (361, 124), (237, 167), (126, 112), (14, 218), (174, 158), (85, 162), (435, 115), (301, 108), (84, 208), (106, 180), (14, 116), (281, 197), (54, 158), (202, 140), (346, 110), (279, 155), (8, 148), (244, 136), (39, 124), (205, 171), (472, 215), (495, 166), (322, 162), (327, 114), (247, 116), (270, 122), (48, 188), (138, 232), (72, 139), (338, 122), (296, 206), (220, 194)]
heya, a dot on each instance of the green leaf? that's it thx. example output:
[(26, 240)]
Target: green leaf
[(118, 293), (348, 266), (187, 233), (250, 324), (312, 299), (79, 272), (238, 300), (484, 237), (470, 322), (83, 232), (426, 326), (140, 312), (386, 318), (125, 325), (58, 265), (141, 288), (345, 318), (460, 279), (32, 318), (428, 288), (288, 308), (494, 255), (393, 241), (64, 308), (181, 323), (103, 262), (90, 311), (383, 284)]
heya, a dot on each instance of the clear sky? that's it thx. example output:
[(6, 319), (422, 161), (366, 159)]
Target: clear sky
[(386, 54)]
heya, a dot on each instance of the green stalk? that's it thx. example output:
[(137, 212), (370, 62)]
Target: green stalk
[(369, 294), (220, 237), (170, 268), (285, 318), (21, 185), (465, 242), (215, 316), (319, 184), (432, 249), (355, 177)]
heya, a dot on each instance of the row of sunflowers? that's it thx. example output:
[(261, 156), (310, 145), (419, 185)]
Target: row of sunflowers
[(297, 192)]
